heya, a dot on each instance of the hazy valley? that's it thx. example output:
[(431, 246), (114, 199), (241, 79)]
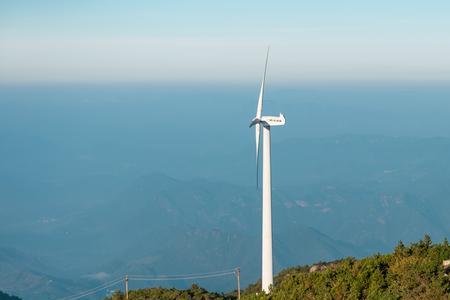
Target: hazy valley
[(92, 189)]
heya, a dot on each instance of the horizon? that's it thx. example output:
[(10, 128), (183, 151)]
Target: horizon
[(200, 42)]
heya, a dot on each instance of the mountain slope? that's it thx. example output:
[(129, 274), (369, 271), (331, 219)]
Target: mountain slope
[(221, 231), (25, 276)]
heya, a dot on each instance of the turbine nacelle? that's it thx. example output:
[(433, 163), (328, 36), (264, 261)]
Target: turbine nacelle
[(269, 121), (273, 121)]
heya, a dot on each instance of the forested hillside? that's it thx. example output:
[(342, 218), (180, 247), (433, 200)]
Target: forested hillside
[(413, 272), (410, 272)]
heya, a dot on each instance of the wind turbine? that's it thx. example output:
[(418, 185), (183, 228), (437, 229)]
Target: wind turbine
[(267, 122)]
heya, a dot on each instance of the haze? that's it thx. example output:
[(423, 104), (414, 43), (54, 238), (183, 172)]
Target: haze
[(223, 42)]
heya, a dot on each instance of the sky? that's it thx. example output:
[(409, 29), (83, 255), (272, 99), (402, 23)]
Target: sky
[(102, 41)]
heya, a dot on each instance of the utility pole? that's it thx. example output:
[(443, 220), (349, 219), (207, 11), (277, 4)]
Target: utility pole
[(126, 287), (238, 278)]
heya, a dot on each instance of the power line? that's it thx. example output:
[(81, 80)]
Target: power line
[(181, 276), (93, 290), (150, 278), (144, 278)]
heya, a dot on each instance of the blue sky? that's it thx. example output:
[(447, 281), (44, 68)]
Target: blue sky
[(223, 41)]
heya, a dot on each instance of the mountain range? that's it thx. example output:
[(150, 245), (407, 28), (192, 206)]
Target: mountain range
[(99, 182), (380, 190)]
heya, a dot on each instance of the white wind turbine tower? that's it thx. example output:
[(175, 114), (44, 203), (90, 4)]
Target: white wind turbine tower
[(267, 122)]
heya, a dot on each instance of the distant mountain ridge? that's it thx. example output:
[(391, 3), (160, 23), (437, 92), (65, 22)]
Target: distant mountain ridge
[(349, 196)]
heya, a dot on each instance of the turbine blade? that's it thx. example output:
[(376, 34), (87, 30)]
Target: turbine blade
[(261, 91), (258, 116)]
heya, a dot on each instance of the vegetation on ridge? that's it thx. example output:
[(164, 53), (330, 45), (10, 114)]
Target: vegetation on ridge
[(410, 272), (193, 293), (413, 272)]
